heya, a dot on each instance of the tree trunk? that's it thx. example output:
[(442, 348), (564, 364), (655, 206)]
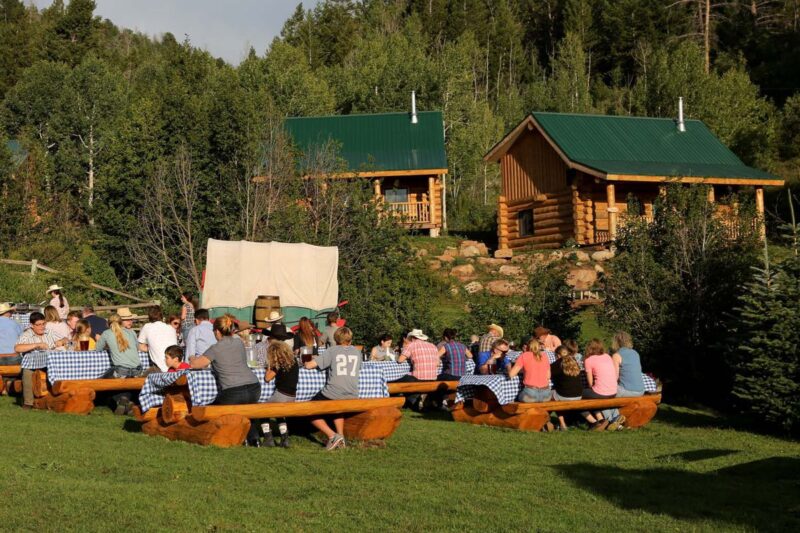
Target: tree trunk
[(91, 175), (707, 36)]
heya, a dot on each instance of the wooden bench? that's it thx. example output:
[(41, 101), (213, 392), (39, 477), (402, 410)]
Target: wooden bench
[(485, 410), (422, 387), (8, 371), (227, 425), (76, 396)]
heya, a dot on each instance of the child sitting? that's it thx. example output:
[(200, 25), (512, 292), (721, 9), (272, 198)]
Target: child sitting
[(283, 368), (566, 375), (173, 356), (343, 362)]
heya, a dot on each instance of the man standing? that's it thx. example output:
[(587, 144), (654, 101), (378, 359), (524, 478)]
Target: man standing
[(98, 323), (156, 336), (34, 338), (201, 336)]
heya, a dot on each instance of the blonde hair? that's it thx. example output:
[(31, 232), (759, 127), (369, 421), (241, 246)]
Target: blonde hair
[(622, 339), (569, 364), (343, 336), (280, 356), (536, 348), (115, 325), (51, 314), (224, 325), (83, 328)]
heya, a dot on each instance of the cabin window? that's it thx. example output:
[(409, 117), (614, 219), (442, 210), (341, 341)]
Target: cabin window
[(525, 220), (397, 196)]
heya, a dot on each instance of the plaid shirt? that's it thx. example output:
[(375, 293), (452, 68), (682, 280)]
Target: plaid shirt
[(486, 342), (455, 359), (424, 358), (29, 337)]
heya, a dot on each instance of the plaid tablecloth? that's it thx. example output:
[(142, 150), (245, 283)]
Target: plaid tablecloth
[(63, 365), (506, 390), (393, 371), (203, 386), (22, 319)]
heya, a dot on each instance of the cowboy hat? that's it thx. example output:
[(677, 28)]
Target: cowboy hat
[(417, 334), (5, 307), (279, 332), (242, 325), (274, 316), (124, 313), (52, 288), (498, 328)]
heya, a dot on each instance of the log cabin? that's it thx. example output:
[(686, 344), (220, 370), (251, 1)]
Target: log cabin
[(402, 154), (568, 177)]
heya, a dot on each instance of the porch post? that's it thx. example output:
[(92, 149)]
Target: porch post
[(434, 232), (443, 177), (377, 185), (612, 211), (760, 209)]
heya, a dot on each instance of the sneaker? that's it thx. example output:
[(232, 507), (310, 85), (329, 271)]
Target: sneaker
[(269, 441), (122, 407), (284, 440), (548, 427), (337, 441), (616, 424), (600, 425)]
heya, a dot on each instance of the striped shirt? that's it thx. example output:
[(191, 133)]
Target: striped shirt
[(424, 358), (455, 358)]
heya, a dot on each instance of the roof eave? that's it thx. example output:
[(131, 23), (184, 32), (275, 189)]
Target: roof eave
[(710, 180)]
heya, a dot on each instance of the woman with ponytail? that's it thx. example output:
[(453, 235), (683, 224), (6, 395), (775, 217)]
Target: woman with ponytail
[(120, 341), (58, 300)]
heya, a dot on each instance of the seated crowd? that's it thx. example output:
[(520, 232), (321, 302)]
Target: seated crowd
[(192, 340)]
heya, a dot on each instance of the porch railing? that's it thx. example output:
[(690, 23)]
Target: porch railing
[(410, 212)]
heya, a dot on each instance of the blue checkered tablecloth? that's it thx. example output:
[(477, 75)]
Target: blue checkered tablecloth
[(393, 371), (506, 390), (62, 365), (203, 386), (22, 319)]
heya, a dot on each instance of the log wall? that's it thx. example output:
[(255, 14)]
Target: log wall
[(553, 221), (591, 206), (531, 168)]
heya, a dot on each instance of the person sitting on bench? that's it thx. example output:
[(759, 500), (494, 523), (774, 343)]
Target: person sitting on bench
[(494, 360), (35, 337), (565, 373), (283, 368), (535, 368), (424, 357), (173, 356), (236, 382), (454, 356), (10, 330), (602, 380), (343, 363)]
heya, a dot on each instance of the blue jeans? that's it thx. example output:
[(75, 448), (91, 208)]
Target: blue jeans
[(535, 395), (611, 414), (116, 372), (242, 395)]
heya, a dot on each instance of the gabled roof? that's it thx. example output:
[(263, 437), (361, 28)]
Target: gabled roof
[(620, 147), (382, 143)]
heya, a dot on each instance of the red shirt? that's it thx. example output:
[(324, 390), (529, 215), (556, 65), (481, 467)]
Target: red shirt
[(534, 371), (424, 358), (183, 366)]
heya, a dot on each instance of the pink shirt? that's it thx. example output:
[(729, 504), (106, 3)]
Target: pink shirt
[(534, 372), (62, 311), (60, 330), (550, 343), (605, 377), (424, 358)]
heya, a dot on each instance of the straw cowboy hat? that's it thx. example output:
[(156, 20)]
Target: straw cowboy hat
[(52, 288), (5, 307), (279, 332), (242, 325), (417, 334), (274, 316), (498, 328), (124, 313)]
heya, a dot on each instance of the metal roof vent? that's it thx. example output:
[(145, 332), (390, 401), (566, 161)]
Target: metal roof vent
[(681, 124), (414, 119)]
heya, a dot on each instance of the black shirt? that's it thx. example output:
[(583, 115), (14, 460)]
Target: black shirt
[(99, 324), (566, 386), (286, 380)]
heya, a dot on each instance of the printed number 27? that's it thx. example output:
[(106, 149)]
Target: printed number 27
[(341, 364)]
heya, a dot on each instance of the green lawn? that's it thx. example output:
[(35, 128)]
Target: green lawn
[(685, 471)]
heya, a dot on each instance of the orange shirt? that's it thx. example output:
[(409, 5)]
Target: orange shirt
[(534, 371)]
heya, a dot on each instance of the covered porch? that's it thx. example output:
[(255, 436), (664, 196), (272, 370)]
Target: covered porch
[(416, 201)]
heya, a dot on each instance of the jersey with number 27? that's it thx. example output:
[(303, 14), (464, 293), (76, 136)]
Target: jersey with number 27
[(343, 364)]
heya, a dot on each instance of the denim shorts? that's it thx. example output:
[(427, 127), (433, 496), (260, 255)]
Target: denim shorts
[(535, 394)]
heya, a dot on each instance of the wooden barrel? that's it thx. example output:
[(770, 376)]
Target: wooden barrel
[(264, 306)]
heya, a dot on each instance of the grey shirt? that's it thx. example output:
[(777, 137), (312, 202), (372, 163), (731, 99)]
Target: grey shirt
[(344, 365), (326, 339), (229, 362)]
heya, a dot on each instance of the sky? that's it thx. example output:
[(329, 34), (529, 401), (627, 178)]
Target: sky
[(226, 28)]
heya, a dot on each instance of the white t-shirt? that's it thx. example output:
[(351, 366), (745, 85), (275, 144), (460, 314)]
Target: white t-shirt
[(158, 336)]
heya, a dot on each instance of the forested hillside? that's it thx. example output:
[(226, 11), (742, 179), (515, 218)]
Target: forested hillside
[(109, 121)]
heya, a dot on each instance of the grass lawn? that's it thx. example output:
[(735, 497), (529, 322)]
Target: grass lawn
[(685, 471)]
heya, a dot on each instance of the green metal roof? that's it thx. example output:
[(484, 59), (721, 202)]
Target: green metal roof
[(385, 141), (644, 146)]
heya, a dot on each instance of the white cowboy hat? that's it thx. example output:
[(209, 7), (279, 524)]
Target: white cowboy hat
[(52, 288), (274, 316), (125, 313), (417, 334), (5, 307), (499, 329)]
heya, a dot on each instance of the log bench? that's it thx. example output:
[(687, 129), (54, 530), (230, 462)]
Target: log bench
[(421, 387), (227, 425), (8, 371), (485, 410), (76, 396)]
